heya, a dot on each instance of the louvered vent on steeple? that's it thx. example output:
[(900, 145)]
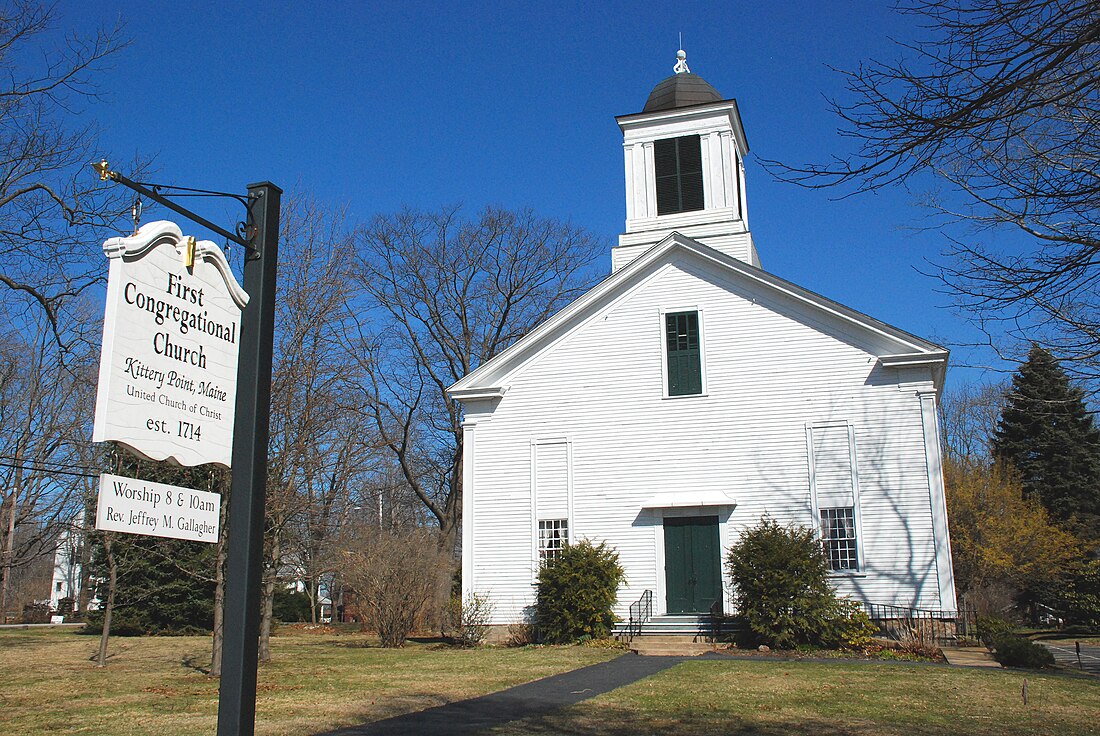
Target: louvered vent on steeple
[(678, 167), (685, 170)]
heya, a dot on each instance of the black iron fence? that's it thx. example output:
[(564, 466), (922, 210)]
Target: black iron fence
[(929, 625)]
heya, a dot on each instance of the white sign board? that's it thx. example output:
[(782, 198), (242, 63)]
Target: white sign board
[(168, 371), (157, 509)]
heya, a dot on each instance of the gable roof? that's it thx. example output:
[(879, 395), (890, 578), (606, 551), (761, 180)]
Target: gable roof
[(490, 379)]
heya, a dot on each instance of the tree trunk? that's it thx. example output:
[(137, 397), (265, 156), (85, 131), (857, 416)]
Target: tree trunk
[(219, 589), (9, 538), (267, 601), (85, 596), (314, 588), (109, 608)]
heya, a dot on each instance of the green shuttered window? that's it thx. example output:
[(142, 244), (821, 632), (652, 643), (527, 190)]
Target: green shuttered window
[(685, 376), (678, 164)]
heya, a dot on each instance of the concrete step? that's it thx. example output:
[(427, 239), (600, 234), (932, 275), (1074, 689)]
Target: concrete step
[(664, 639), (699, 626), (669, 646)]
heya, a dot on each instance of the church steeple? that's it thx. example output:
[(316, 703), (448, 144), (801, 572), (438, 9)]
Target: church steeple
[(684, 169)]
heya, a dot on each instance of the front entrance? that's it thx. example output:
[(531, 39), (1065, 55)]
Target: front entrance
[(693, 573)]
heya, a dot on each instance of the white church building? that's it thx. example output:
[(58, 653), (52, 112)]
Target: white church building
[(691, 392)]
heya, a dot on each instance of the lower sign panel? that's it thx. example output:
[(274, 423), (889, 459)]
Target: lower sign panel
[(156, 509)]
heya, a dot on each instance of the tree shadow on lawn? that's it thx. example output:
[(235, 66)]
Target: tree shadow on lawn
[(531, 700), (609, 721), (605, 721), (370, 641)]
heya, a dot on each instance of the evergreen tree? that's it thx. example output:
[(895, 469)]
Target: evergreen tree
[(164, 586), (1048, 435)]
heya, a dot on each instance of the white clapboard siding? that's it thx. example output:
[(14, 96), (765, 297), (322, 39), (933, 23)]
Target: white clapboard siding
[(773, 367)]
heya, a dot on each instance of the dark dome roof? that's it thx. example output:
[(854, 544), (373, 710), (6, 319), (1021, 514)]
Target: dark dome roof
[(681, 90)]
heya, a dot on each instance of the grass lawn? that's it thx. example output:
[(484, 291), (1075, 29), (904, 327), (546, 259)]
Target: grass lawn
[(156, 685), (322, 681), (773, 698)]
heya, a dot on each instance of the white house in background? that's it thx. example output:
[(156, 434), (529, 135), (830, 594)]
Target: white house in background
[(691, 392), (66, 579)]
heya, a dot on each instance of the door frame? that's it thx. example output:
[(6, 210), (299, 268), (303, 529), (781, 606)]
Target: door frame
[(723, 513)]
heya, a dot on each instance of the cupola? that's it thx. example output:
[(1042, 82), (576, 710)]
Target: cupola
[(684, 155)]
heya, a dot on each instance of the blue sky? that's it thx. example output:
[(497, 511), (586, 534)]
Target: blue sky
[(384, 104)]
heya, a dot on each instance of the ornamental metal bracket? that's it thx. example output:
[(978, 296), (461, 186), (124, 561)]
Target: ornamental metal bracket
[(245, 234)]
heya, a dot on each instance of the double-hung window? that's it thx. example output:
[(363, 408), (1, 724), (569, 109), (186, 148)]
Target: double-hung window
[(678, 169), (682, 354), (553, 536), (838, 535)]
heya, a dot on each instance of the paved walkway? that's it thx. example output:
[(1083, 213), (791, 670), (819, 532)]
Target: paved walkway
[(536, 698), (969, 657)]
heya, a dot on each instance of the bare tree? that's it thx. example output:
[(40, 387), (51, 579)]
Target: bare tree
[(45, 425), (1001, 102), (969, 416), (395, 576), (442, 294), (320, 449), (51, 207)]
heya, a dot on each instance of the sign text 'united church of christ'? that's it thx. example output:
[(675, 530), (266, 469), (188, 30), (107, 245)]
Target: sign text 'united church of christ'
[(168, 372)]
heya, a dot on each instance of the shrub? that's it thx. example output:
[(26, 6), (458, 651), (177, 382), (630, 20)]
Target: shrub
[(65, 607), (918, 644), (291, 606), (991, 628), (36, 613), (849, 627), (1081, 597), (576, 591), (467, 623), (394, 575), (520, 635), (781, 590), (1016, 651)]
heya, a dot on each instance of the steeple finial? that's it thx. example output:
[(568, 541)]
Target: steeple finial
[(681, 63)]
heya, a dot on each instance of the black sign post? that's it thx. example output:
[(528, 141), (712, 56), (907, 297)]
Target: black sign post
[(241, 623), (240, 641)]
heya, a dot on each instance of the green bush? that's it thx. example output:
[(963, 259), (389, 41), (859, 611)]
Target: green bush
[(849, 627), (1016, 651), (291, 606), (991, 628), (1081, 596), (782, 594), (576, 591)]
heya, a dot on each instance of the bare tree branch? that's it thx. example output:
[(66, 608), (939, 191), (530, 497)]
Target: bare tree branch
[(442, 294), (1000, 102)]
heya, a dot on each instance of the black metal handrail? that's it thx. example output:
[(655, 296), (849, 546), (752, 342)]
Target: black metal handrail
[(717, 620), (641, 611)]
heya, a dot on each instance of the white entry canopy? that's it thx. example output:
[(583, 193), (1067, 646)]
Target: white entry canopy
[(680, 499)]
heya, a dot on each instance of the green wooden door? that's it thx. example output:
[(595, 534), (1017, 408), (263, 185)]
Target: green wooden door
[(693, 575)]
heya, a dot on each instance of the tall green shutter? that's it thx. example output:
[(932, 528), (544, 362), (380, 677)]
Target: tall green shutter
[(685, 376)]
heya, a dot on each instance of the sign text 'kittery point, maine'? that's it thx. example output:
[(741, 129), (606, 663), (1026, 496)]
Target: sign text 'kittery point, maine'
[(168, 371)]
